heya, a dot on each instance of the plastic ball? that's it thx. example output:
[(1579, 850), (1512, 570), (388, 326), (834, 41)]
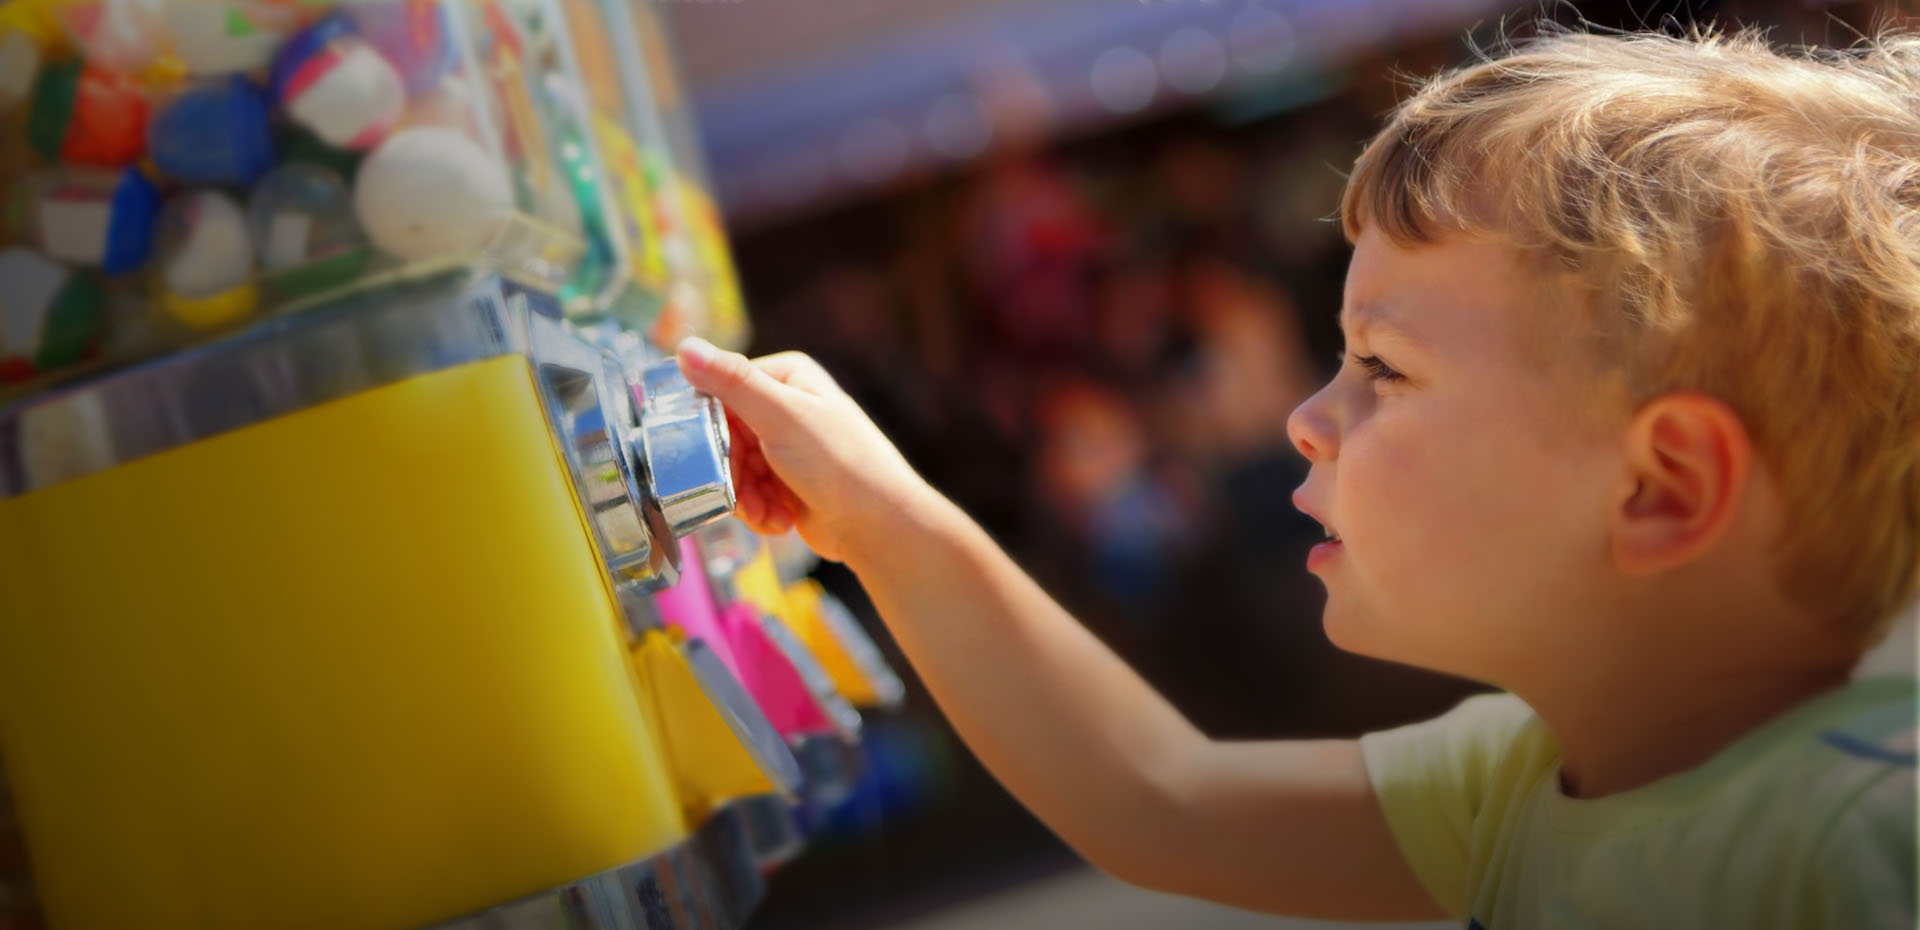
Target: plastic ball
[(125, 36), (428, 192), (49, 314), (303, 227), (217, 37), (96, 218), (411, 34), (299, 213), (335, 84), (206, 260), (214, 133), (87, 115)]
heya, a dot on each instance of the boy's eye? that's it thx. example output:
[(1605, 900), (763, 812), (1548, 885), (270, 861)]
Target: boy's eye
[(1377, 369)]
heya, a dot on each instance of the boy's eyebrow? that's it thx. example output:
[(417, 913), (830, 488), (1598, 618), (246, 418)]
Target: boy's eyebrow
[(1377, 314)]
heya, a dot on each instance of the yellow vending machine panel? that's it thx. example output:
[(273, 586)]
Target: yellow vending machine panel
[(328, 625)]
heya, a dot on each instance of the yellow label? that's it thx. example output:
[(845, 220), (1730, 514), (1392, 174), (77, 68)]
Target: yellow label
[(355, 667)]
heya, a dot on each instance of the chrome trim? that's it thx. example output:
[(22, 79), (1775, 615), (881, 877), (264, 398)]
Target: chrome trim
[(712, 881), (643, 477), (840, 714), (888, 689), (276, 367), (833, 768), (727, 545), (772, 822), (687, 450), (744, 717)]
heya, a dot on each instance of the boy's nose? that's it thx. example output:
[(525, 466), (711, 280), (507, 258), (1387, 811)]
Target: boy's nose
[(1311, 429)]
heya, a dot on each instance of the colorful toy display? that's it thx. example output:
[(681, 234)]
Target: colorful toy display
[(411, 34), (49, 314), (218, 37), (22, 37), (423, 141), (206, 260), (431, 191), (447, 225), (125, 36), (333, 82), (303, 227), (87, 115), (216, 132), (95, 218)]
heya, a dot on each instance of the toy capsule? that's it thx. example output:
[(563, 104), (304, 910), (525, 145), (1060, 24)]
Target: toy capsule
[(335, 84), (301, 220), (49, 314), (87, 115), (124, 36), (214, 133), (411, 34), (205, 260), (95, 218)]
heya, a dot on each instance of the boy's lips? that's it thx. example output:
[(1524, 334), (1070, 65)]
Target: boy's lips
[(1326, 549), (1321, 552)]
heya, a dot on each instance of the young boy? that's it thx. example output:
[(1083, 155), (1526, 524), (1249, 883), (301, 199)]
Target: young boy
[(1628, 426)]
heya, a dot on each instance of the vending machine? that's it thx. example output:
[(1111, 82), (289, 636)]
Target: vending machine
[(365, 561)]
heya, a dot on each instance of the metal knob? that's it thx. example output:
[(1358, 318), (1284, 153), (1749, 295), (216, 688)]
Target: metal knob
[(683, 443)]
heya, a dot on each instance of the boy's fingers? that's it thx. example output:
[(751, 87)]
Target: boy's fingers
[(799, 370), (739, 384), (752, 506)]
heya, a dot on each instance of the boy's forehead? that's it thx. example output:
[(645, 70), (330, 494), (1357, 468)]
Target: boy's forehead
[(1401, 285)]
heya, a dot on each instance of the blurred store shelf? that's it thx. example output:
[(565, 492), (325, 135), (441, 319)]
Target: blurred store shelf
[(806, 104)]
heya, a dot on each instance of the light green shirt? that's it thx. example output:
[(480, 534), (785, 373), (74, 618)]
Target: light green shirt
[(1806, 822)]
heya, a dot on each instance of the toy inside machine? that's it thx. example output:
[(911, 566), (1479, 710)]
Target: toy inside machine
[(346, 496)]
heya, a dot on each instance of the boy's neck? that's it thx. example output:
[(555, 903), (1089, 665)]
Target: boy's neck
[(1631, 717), (1645, 735)]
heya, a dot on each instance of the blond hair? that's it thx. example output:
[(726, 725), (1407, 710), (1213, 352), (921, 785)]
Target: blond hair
[(1746, 223)]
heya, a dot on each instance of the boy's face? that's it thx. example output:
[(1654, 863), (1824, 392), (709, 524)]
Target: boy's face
[(1469, 494)]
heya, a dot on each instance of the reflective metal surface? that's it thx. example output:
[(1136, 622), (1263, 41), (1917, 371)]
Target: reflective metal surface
[(727, 545), (865, 653), (686, 446), (832, 767), (744, 717), (773, 829), (711, 882)]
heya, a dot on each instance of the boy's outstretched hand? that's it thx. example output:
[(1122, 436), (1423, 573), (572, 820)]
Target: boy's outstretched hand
[(804, 454), (1289, 826)]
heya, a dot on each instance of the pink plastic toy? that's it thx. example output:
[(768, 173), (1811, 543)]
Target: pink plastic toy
[(738, 636)]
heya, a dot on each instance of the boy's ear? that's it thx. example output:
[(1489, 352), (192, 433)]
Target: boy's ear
[(1688, 457)]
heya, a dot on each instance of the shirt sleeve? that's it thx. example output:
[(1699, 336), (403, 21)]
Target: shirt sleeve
[(1433, 778)]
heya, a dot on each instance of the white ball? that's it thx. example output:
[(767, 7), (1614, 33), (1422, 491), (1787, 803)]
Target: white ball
[(209, 250), (428, 192)]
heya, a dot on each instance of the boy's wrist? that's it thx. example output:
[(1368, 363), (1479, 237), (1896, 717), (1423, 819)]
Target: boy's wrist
[(904, 523)]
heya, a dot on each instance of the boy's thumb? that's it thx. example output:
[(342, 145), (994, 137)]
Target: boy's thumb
[(752, 394)]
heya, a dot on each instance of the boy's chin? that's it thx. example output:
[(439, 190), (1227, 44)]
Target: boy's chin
[(1362, 634), (1350, 630)]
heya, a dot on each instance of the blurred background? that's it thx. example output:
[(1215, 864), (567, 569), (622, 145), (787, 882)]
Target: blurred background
[(1075, 257)]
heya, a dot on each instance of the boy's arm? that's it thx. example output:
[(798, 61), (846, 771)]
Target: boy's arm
[(1290, 827)]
